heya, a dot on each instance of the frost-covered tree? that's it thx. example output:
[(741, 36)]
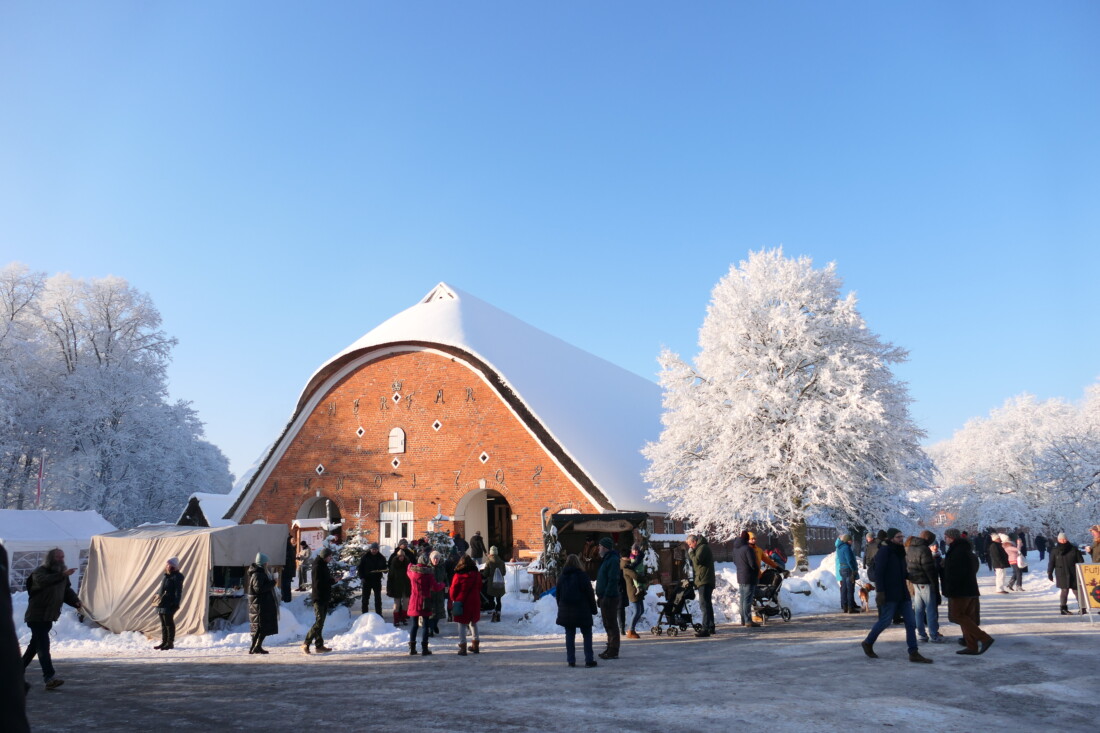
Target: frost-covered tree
[(1029, 463), (83, 392), (790, 411)]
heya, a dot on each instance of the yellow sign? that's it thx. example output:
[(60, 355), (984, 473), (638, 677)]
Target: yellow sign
[(1089, 578)]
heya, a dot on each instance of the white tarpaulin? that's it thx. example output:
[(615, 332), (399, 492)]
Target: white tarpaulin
[(28, 534), (125, 569)]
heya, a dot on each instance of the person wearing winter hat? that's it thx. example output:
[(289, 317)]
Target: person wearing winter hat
[(372, 565), (702, 564), (998, 562), (263, 608), (1062, 569), (607, 596), (493, 568), (893, 596), (168, 602), (847, 573), (320, 594), (1094, 549)]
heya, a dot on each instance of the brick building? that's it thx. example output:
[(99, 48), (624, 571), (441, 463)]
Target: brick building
[(456, 415)]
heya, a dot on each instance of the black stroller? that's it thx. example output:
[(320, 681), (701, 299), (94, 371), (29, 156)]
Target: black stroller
[(673, 615), (765, 599)]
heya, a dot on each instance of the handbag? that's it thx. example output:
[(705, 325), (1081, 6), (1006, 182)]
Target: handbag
[(456, 608)]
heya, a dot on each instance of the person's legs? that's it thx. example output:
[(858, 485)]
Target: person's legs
[(885, 618), (637, 616), (622, 615), (922, 595), (932, 614), (609, 611), (571, 644), (1063, 598), (317, 631), (847, 590), (287, 579), (706, 607), (910, 625), (745, 593), (999, 580), (40, 645), (586, 635)]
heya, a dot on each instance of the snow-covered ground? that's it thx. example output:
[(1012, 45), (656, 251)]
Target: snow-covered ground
[(347, 630)]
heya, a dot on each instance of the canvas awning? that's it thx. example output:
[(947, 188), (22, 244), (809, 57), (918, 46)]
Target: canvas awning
[(125, 569)]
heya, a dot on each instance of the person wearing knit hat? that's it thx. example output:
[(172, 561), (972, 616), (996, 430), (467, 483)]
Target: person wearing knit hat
[(892, 596), (1062, 569), (168, 602), (263, 607), (847, 573), (608, 579), (372, 565)]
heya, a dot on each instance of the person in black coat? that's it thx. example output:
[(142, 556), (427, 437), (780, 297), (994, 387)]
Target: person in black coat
[(290, 566), (998, 562), (49, 588), (461, 545), (576, 607), (748, 572), (1041, 546), (960, 585), (924, 574), (892, 595), (320, 593), (13, 691), (168, 602), (477, 546), (372, 566), (1062, 569), (263, 610)]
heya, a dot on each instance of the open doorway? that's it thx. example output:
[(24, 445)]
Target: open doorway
[(488, 512)]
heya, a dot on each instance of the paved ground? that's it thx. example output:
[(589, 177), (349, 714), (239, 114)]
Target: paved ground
[(808, 674)]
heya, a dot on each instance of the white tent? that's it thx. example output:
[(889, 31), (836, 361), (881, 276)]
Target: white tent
[(125, 569), (28, 534)]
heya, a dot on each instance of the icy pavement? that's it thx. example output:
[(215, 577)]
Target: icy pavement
[(808, 674)]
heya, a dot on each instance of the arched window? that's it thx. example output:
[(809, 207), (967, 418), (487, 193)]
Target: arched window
[(397, 440)]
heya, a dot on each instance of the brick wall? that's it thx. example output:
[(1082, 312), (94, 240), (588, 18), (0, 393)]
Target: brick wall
[(413, 390)]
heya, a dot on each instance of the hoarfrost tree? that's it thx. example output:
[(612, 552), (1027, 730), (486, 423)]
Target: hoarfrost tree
[(790, 412), (83, 382)]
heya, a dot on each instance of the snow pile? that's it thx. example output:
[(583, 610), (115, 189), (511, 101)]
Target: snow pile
[(370, 632)]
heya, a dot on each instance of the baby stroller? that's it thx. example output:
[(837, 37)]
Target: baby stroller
[(765, 599), (672, 612)]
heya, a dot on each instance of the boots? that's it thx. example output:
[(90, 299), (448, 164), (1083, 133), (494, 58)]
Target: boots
[(475, 646), (462, 649), (496, 616), (632, 634), (1065, 610), (917, 657), (424, 650), (412, 648)]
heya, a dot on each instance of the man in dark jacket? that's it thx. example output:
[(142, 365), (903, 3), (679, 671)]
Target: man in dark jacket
[(960, 585), (320, 593), (477, 546), (1062, 569), (13, 696), (924, 574), (49, 588), (1041, 546), (702, 565), (892, 595), (371, 568), (290, 567), (748, 572), (607, 596), (998, 562)]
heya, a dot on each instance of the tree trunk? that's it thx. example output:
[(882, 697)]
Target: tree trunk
[(801, 546)]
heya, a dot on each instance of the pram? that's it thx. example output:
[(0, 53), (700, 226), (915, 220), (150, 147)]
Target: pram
[(765, 599), (673, 613)]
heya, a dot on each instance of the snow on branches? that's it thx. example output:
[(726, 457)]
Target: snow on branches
[(789, 412)]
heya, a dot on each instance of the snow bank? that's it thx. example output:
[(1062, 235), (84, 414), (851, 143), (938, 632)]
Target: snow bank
[(369, 632)]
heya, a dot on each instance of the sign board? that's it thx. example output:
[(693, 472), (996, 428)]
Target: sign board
[(604, 525), (1088, 581)]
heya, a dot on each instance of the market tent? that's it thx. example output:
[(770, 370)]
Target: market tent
[(125, 569), (28, 534)]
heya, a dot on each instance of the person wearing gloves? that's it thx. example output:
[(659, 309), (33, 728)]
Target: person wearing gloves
[(47, 590), (847, 573), (263, 610), (168, 602)]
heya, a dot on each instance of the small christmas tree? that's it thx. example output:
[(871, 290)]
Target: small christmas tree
[(344, 559), (440, 541)]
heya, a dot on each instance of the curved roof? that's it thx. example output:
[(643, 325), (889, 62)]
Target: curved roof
[(599, 414)]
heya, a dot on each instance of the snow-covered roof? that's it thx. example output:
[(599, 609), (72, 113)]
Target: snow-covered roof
[(41, 526), (599, 414)]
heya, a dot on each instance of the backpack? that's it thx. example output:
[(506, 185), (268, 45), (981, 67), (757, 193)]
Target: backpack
[(498, 581)]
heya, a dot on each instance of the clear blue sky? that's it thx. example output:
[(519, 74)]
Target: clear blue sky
[(281, 177)]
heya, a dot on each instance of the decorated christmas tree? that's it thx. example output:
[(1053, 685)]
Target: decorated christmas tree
[(550, 559), (440, 541), (342, 563)]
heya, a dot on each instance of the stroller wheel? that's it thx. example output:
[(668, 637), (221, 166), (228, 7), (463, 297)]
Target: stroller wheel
[(673, 631), (696, 627), (785, 613), (656, 631)]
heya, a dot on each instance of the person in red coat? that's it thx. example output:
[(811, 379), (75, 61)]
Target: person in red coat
[(466, 597), (421, 608)]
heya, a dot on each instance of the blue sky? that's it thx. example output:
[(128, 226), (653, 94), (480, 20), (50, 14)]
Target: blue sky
[(281, 177)]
